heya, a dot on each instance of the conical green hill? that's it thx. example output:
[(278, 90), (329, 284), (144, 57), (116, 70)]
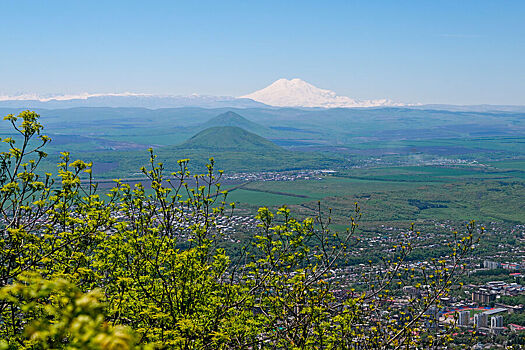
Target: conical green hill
[(229, 138)]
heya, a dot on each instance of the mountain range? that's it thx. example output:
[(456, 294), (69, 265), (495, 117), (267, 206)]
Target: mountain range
[(294, 93), (126, 100), (281, 93)]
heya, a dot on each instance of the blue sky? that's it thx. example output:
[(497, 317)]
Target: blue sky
[(460, 52)]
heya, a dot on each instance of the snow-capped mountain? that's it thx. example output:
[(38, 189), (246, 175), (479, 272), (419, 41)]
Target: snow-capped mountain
[(126, 99), (298, 93)]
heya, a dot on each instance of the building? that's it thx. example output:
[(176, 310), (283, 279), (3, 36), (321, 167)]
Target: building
[(510, 308), (480, 320), (483, 296), (516, 327), (496, 322), (491, 265), (495, 311), (511, 266), (412, 291), (431, 317), (464, 318)]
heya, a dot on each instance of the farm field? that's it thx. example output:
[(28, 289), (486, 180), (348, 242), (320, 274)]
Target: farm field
[(398, 199)]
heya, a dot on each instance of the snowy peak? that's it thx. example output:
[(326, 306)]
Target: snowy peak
[(127, 99), (299, 93)]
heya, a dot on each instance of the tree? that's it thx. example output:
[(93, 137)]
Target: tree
[(58, 314), (151, 263)]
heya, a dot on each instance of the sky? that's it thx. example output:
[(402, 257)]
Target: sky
[(454, 52)]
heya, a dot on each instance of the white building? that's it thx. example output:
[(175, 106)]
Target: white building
[(496, 322), (464, 318), (491, 264), (480, 320)]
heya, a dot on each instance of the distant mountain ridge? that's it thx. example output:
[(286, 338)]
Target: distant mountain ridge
[(127, 100), (294, 93), (299, 93)]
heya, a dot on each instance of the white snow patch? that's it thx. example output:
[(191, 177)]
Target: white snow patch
[(81, 96)]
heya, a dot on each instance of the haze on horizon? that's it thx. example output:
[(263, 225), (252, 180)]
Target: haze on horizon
[(468, 52)]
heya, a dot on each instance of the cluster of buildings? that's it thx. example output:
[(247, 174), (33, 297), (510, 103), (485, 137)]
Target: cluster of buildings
[(489, 321), (479, 307), (224, 227), (292, 175), (490, 291), (227, 226), (492, 265), (401, 158)]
